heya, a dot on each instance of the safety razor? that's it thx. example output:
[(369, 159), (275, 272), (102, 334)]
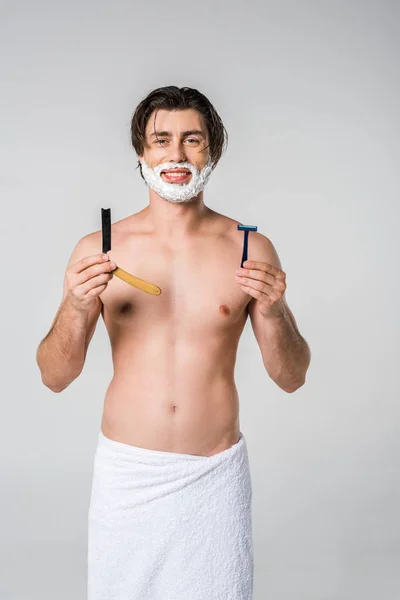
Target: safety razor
[(246, 229)]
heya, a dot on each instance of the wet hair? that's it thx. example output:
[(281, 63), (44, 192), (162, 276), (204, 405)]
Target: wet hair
[(174, 98)]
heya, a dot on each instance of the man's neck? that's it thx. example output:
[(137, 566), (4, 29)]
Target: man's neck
[(175, 220)]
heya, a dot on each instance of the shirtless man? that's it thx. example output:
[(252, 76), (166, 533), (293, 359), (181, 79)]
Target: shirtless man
[(173, 388)]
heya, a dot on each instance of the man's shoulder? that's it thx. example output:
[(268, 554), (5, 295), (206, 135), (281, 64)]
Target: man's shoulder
[(93, 240), (260, 242), (89, 244), (260, 247)]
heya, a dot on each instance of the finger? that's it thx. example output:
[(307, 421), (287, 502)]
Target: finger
[(252, 292), (94, 270), (88, 261), (96, 291), (254, 284), (264, 266), (94, 282), (274, 285), (256, 274)]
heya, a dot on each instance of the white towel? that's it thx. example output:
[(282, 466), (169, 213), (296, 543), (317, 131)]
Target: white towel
[(170, 526)]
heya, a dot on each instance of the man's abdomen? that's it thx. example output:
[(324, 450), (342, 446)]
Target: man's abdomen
[(178, 397)]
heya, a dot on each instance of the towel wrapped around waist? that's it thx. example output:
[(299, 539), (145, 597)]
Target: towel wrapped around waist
[(170, 526)]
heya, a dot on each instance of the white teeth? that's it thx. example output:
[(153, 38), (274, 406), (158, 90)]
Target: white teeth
[(175, 174)]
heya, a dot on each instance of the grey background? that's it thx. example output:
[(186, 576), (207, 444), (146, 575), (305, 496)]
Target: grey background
[(309, 93)]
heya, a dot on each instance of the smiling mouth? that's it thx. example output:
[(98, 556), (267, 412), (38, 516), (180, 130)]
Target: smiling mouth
[(175, 175)]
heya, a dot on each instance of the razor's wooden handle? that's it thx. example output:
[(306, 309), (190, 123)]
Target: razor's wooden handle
[(141, 284)]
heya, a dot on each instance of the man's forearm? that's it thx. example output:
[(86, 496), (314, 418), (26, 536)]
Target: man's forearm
[(61, 354), (285, 352)]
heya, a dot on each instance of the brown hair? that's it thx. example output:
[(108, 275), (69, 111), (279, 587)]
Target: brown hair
[(174, 98)]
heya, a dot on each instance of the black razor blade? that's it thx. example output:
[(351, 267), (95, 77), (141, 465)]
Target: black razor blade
[(106, 228)]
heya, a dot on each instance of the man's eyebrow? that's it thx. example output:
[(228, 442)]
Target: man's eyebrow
[(184, 133)]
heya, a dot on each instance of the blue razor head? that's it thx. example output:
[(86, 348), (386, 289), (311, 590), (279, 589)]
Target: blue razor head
[(247, 227)]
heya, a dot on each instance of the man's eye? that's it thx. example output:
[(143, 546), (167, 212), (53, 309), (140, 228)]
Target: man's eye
[(162, 141)]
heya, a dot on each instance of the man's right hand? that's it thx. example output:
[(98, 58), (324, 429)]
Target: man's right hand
[(87, 279)]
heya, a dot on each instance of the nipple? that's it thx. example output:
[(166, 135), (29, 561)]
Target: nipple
[(223, 309)]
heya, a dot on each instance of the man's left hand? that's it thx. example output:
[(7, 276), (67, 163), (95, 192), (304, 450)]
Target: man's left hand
[(266, 283)]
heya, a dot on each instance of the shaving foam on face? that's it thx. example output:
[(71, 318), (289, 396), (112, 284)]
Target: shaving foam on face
[(177, 192)]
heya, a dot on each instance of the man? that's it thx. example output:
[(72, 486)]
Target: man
[(170, 512)]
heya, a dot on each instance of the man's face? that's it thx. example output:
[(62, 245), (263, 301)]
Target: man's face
[(181, 136)]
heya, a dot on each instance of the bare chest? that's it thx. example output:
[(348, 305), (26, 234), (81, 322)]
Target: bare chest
[(197, 279)]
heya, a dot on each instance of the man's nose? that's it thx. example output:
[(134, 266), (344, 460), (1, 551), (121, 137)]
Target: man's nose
[(176, 152)]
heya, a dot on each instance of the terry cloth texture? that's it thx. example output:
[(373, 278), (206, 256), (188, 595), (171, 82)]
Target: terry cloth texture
[(170, 526)]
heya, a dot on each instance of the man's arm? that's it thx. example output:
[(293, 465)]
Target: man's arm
[(61, 354), (285, 353)]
